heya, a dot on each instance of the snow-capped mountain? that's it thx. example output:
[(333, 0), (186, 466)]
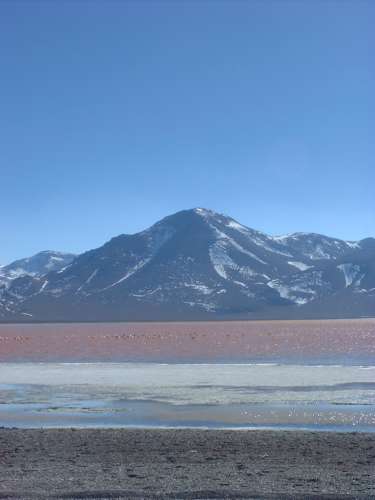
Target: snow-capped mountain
[(37, 265), (201, 264)]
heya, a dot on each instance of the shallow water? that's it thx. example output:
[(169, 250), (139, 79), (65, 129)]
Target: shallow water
[(285, 374), (298, 342), (332, 397)]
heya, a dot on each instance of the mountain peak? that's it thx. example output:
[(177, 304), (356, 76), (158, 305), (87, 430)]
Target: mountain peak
[(191, 264), (36, 265), (204, 212), (201, 211)]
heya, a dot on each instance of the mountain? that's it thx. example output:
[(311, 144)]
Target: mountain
[(198, 264), (36, 266)]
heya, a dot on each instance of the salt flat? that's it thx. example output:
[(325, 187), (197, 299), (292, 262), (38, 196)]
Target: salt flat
[(336, 397)]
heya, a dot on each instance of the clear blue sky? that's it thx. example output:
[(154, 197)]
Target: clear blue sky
[(115, 114)]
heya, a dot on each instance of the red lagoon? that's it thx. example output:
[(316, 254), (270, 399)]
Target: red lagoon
[(190, 341)]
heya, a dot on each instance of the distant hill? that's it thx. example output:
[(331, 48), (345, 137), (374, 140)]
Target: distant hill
[(38, 265), (195, 264)]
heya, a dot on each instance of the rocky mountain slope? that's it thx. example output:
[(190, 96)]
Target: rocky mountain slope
[(37, 265), (198, 264)]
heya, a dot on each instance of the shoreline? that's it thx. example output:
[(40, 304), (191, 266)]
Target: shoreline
[(185, 463), (178, 321), (312, 363), (200, 428)]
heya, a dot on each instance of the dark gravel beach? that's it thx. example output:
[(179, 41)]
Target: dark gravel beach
[(139, 463)]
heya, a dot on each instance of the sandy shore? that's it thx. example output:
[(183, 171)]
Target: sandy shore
[(139, 463)]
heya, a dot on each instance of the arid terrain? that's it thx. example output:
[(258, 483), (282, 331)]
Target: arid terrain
[(110, 463)]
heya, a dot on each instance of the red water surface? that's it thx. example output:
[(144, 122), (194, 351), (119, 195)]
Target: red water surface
[(190, 341)]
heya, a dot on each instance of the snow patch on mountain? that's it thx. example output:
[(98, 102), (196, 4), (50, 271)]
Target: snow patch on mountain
[(268, 248), (282, 238), (236, 225), (247, 272), (89, 279), (35, 266), (299, 265), (206, 306), (135, 269), (353, 244), (351, 273), (63, 269), (54, 260), (302, 287), (203, 289), (233, 243), (317, 253), (146, 293), (204, 212), (220, 259), (287, 292), (256, 237)]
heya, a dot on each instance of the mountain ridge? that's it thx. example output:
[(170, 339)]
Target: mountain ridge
[(198, 264)]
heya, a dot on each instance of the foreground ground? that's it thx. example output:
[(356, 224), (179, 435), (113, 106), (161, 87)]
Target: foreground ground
[(119, 463)]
